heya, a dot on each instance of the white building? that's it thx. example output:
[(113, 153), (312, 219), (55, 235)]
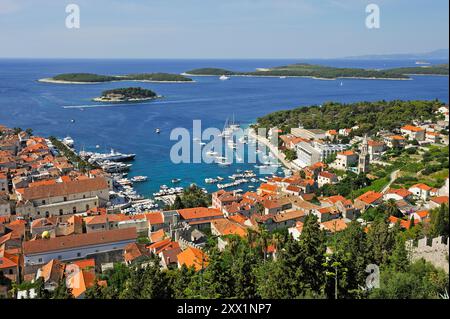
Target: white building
[(73, 247), (311, 153), (310, 134)]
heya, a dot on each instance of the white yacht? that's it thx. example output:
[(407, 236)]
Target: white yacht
[(224, 77), (68, 141)]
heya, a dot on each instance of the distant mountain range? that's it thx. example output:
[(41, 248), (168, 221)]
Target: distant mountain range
[(436, 54)]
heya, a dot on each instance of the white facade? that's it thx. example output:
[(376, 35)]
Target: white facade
[(74, 253)]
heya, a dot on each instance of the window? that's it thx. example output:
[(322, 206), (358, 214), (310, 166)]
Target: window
[(43, 202), (84, 196), (40, 260), (87, 207), (38, 213), (78, 254), (47, 214), (74, 210), (59, 257), (60, 212), (65, 199)]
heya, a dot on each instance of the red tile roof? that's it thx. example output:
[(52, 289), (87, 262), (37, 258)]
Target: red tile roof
[(199, 212), (370, 197), (79, 240)]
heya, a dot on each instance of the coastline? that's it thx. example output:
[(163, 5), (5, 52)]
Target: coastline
[(304, 76), (52, 81), (118, 101)]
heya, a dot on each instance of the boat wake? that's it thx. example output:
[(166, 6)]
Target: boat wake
[(127, 104)]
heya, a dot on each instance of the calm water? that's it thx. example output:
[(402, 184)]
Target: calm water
[(26, 103)]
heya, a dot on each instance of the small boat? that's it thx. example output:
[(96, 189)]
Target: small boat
[(68, 141), (139, 179), (72, 121), (97, 146), (282, 77), (224, 78), (157, 131), (211, 153), (176, 180)]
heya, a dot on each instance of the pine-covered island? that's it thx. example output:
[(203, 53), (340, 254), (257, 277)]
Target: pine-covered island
[(91, 78), (327, 72), (131, 94)]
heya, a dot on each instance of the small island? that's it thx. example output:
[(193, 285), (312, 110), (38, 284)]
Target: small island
[(91, 78), (131, 94), (327, 72)]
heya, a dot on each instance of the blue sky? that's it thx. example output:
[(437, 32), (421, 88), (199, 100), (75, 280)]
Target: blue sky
[(220, 28)]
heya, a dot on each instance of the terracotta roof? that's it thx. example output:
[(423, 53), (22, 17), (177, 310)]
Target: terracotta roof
[(375, 143), (227, 227), (79, 240), (334, 225), (412, 128), (440, 200), (422, 214), (370, 197), (61, 189), (421, 186), (157, 235), (102, 219), (347, 153), (80, 282), (52, 271), (328, 175), (293, 188), (84, 263), (135, 250), (155, 218), (268, 187), (199, 212), (397, 137), (334, 199), (281, 217), (400, 192), (7, 263), (193, 257)]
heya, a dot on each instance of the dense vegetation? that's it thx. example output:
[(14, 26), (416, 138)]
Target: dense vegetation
[(83, 77), (302, 269), (76, 160), (92, 78), (319, 71), (440, 69), (192, 196), (369, 116), (158, 77), (130, 93)]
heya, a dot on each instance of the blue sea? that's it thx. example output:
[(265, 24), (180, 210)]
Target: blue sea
[(49, 108)]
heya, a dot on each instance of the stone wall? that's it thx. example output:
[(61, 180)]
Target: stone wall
[(435, 252)]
